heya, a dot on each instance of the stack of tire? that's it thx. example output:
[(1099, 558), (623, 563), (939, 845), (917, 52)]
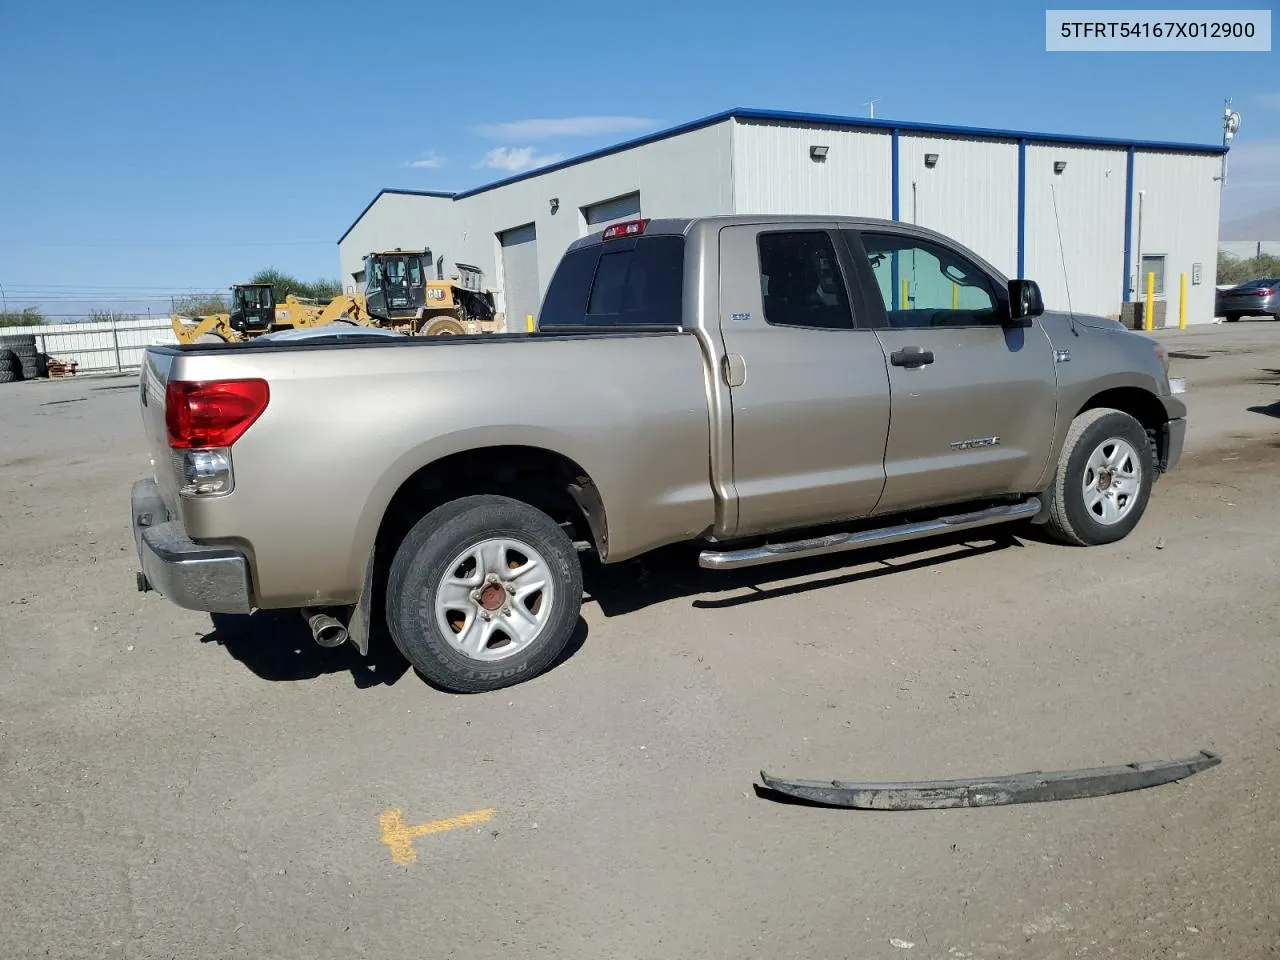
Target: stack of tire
[(19, 359)]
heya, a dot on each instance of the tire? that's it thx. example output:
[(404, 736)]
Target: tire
[(1232, 318), (444, 327), (34, 371), (7, 357), (1080, 494), (459, 538), (8, 376), (13, 341), (25, 351)]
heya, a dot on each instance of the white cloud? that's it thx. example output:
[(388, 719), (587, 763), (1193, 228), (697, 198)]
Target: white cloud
[(515, 159), (1271, 100), (542, 128), (428, 161)]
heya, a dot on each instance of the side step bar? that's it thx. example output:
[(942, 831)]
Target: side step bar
[(836, 542)]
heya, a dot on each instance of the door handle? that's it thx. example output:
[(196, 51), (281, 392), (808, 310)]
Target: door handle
[(911, 357), (734, 369)]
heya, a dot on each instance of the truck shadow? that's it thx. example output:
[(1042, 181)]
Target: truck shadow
[(276, 645), (673, 573), (1270, 410)]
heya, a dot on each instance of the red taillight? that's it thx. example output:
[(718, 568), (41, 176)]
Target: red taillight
[(1263, 292), (627, 228), (212, 413)]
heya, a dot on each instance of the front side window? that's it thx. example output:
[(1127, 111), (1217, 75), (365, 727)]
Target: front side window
[(923, 284), (800, 281)]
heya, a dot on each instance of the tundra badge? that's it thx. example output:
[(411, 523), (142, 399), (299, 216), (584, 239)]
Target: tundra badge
[(976, 442)]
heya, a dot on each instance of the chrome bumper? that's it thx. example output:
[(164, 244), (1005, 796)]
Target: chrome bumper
[(192, 575)]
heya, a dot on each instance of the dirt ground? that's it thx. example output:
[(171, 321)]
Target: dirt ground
[(176, 788)]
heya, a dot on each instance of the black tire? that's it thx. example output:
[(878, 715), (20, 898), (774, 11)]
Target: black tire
[(32, 371), (1232, 317), (8, 376), (7, 357), (1070, 519), (18, 340), (423, 560), (25, 351)]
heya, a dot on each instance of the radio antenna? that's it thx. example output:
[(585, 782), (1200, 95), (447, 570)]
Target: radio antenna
[(1062, 251)]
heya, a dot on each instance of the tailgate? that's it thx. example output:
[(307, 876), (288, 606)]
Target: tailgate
[(154, 377)]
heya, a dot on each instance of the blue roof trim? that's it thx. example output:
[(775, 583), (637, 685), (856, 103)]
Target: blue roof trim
[(412, 193), (788, 116)]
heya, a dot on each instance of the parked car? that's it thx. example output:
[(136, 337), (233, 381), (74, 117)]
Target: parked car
[(768, 387), (1253, 298)]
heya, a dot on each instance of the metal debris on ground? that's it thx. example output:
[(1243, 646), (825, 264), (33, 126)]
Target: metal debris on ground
[(1032, 787)]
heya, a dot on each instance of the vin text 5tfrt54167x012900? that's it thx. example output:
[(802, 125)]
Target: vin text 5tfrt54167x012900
[(769, 387)]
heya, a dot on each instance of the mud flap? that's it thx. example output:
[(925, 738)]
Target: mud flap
[(361, 615), (1032, 787)]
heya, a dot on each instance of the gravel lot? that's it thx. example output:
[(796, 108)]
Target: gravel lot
[(178, 788)]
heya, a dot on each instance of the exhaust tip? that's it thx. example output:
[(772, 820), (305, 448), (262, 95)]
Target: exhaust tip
[(326, 631)]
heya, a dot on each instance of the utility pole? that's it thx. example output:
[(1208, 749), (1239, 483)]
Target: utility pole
[(1230, 127), (871, 106)]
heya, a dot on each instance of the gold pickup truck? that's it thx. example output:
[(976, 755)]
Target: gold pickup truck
[(768, 387)]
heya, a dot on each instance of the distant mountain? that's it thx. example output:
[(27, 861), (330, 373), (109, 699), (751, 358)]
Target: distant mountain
[(1257, 226)]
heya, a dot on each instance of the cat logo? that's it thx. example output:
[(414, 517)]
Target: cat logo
[(974, 443)]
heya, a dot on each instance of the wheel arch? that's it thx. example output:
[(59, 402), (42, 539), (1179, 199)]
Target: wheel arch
[(1143, 405)]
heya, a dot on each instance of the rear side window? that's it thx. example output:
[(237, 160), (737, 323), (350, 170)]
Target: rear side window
[(800, 281), (629, 283)]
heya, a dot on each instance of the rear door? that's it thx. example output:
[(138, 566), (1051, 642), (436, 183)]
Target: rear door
[(974, 402), (809, 391)]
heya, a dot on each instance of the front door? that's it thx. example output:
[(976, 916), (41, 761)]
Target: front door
[(809, 391), (974, 400)]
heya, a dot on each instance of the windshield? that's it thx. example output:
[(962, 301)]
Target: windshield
[(254, 298)]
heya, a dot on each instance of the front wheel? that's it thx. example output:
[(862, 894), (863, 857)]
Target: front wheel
[(1103, 480), (483, 593)]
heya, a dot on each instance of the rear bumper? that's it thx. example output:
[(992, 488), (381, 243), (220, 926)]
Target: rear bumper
[(1250, 305), (192, 575)]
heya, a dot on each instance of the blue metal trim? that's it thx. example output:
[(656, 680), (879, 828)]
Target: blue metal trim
[(1022, 208), (787, 116), (411, 193), (1128, 227), (895, 178)]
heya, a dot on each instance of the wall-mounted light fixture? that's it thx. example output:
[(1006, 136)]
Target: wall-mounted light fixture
[(1059, 166), (930, 160), (818, 152), (555, 204)]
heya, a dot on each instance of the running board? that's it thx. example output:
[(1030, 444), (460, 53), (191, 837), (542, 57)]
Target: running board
[(836, 542)]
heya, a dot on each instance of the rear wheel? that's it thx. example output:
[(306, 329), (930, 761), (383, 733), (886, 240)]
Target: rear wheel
[(1103, 480), (483, 593), (1232, 317)]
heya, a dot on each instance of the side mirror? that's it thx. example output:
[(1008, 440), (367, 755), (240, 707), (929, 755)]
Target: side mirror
[(1025, 301)]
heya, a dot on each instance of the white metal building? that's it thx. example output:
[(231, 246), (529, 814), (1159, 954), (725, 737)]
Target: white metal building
[(1121, 208)]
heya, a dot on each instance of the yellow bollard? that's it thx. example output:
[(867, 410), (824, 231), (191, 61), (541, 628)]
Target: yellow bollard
[(529, 323), (955, 296), (906, 300), (1182, 304), (1149, 313)]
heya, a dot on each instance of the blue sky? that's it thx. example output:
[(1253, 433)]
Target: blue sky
[(150, 147)]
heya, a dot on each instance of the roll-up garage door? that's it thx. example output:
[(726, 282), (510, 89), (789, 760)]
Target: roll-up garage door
[(519, 274), (600, 215)]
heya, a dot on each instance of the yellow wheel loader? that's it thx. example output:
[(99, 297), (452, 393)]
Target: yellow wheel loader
[(400, 294), (254, 311)]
